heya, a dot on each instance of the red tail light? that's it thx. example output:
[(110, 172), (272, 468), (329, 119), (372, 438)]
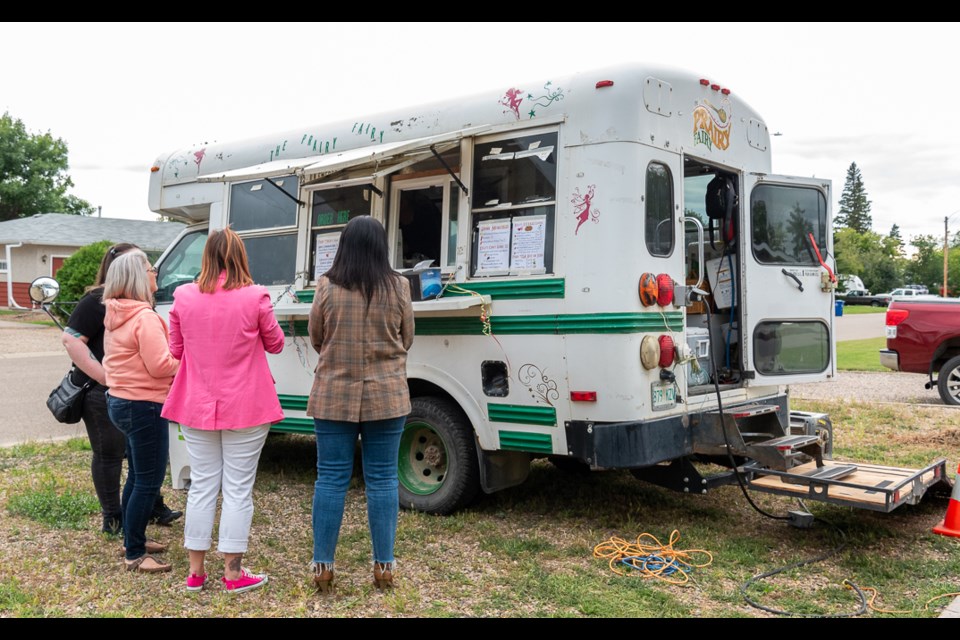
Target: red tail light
[(896, 316), (666, 351), (583, 396), (665, 290)]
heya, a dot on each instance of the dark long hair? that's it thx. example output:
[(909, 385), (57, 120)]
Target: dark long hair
[(112, 254), (224, 251), (361, 263)]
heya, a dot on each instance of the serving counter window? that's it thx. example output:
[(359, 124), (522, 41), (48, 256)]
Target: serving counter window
[(330, 211), (514, 197)]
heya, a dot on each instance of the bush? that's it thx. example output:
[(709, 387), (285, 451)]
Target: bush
[(77, 273)]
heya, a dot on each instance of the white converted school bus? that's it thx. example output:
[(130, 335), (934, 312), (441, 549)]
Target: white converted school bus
[(626, 285)]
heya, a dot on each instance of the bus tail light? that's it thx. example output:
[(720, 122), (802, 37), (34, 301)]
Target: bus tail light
[(648, 289), (666, 351), (583, 396), (664, 290)]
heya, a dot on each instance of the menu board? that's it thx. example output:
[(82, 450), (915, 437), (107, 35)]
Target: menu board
[(528, 239), (493, 246), (325, 250)]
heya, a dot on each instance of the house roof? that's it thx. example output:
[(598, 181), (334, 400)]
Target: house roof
[(78, 231)]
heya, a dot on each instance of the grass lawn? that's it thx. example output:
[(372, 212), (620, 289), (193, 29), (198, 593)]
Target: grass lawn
[(861, 355)]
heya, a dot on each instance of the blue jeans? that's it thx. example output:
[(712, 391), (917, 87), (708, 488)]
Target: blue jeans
[(380, 446), (148, 447)]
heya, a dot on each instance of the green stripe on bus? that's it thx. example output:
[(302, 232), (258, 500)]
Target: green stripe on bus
[(294, 425), (558, 324), (294, 328), (519, 441), (499, 290), (294, 403), (522, 414), (512, 289)]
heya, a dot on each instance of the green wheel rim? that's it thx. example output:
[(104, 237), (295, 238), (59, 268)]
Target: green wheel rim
[(423, 459)]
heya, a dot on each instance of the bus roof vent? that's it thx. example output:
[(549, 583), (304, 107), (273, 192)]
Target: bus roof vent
[(657, 96), (757, 134)]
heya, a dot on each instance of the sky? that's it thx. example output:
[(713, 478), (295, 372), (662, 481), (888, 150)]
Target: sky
[(122, 94)]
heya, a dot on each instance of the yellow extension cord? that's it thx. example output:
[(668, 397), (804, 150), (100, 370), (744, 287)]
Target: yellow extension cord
[(652, 559)]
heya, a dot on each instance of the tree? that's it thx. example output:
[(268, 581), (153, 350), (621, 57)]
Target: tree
[(854, 205), (78, 274), (33, 176)]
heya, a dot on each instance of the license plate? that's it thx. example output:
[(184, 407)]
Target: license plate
[(663, 395), (891, 332)]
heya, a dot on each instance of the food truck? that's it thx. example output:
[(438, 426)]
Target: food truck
[(606, 274)]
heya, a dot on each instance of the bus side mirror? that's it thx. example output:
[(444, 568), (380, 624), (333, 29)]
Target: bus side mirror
[(44, 290)]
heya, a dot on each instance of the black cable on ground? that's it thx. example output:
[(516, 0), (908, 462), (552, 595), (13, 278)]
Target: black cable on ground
[(863, 599), (743, 490)]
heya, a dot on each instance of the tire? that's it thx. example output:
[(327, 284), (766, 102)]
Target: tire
[(876, 303), (438, 468), (948, 381)]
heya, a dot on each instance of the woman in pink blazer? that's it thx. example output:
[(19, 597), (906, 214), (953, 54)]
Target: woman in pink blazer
[(225, 400)]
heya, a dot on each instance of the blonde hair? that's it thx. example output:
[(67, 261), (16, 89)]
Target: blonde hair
[(127, 277)]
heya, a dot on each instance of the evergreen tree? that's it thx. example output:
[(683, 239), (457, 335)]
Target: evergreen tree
[(854, 205), (33, 176)]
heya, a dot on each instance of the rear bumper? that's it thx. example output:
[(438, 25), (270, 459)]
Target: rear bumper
[(890, 359)]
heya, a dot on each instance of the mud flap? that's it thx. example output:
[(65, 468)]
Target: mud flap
[(863, 486)]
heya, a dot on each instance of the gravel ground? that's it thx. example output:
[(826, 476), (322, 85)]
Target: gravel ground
[(17, 336)]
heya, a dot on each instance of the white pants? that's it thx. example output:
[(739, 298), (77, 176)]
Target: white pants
[(221, 461)]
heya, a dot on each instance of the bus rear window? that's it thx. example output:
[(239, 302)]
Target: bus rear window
[(782, 219)]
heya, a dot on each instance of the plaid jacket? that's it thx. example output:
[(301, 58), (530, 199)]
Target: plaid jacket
[(362, 371)]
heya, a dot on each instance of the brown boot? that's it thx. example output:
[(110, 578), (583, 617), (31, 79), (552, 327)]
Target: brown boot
[(383, 575), (323, 577)]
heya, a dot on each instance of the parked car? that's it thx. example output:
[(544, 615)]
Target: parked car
[(923, 336), (861, 296), (905, 293)]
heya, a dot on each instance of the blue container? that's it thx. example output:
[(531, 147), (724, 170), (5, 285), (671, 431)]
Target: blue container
[(838, 307)]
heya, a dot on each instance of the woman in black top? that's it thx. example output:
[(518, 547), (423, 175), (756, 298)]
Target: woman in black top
[(83, 340)]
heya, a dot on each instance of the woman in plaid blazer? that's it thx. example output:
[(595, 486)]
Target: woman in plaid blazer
[(361, 324)]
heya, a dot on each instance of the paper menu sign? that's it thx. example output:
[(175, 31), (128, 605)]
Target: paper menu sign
[(528, 239), (493, 246), (324, 252)]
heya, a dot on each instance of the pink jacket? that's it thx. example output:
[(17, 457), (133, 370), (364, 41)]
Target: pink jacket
[(221, 338), (137, 359)]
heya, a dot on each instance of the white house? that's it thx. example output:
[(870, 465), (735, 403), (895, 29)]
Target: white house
[(37, 245)]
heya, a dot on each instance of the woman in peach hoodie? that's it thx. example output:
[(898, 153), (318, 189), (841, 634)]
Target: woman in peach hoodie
[(139, 370)]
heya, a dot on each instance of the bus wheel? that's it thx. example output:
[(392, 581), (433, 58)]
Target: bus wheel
[(438, 467), (948, 381)]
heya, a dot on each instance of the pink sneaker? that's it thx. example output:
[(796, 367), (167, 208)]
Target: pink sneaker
[(195, 582), (245, 582)]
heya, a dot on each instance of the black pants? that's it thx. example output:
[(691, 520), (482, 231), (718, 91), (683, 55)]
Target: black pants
[(108, 444)]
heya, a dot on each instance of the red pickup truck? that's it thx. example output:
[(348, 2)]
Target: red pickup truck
[(923, 336)]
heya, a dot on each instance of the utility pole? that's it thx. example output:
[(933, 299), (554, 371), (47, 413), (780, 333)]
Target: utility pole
[(945, 236)]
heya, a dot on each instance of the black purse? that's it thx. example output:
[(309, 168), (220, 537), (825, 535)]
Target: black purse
[(66, 400)]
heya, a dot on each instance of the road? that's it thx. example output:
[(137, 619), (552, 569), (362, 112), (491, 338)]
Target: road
[(859, 326), (32, 362)]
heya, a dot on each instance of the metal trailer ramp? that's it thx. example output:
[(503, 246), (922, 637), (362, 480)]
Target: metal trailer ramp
[(864, 486)]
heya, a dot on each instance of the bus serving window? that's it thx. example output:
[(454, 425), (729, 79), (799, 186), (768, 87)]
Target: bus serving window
[(784, 348), (330, 210), (261, 205), (658, 221), (514, 198), (782, 219)]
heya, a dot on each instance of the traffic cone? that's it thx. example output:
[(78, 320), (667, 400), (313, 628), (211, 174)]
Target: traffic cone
[(950, 525)]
